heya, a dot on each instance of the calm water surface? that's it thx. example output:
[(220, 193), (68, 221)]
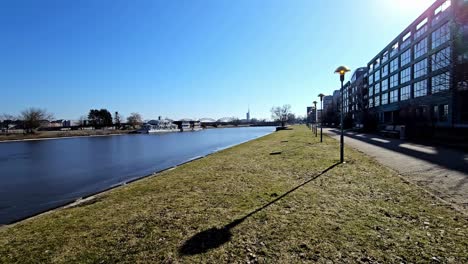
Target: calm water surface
[(36, 176)]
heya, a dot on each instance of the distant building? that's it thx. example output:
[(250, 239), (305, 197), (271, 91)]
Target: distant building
[(319, 116), (355, 99), (327, 102), (248, 115), (311, 115)]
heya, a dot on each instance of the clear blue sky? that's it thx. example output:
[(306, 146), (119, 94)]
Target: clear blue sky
[(186, 58)]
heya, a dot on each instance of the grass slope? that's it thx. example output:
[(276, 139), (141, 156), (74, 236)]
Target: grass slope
[(201, 212)]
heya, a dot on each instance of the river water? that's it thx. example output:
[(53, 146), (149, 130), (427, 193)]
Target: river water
[(36, 176)]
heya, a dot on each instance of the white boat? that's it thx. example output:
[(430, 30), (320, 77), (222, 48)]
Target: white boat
[(186, 126), (190, 126), (158, 126)]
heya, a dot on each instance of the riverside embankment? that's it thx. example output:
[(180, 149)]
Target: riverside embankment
[(244, 204)]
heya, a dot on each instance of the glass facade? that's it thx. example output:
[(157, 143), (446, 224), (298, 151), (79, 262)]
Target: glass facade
[(394, 81), (421, 28), (377, 88), (420, 48), (420, 89), (416, 67), (405, 92), (384, 98), (405, 57), (394, 96), (441, 59), (394, 65), (441, 82), (405, 75), (377, 100), (440, 36), (420, 69), (385, 71), (384, 86), (377, 76)]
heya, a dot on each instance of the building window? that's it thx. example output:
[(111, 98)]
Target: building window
[(384, 85), (376, 63), (420, 48), (405, 75), (371, 91), (371, 102), (394, 65), (406, 40), (445, 113), (439, 11), (405, 93), (421, 28), (420, 89), (420, 68), (394, 50), (440, 36), (441, 82), (394, 80), (384, 98), (385, 57), (377, 101), (371, 79), (377, 76), (384, 70), (394, 96), (377, 88), (405, 57), (441, 59)]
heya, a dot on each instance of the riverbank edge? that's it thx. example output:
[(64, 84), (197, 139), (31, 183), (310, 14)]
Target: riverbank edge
[(59, 137), (91, 197), (131, 132)]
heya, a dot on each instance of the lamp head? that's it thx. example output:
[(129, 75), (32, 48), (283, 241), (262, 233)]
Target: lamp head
[(321, 96), (342, 70)]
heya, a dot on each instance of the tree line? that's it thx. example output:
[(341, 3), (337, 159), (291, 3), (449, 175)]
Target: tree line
[(33, 118)]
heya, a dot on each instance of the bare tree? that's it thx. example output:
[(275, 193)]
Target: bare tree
[(281, 113), (32, 118), (134, 119)]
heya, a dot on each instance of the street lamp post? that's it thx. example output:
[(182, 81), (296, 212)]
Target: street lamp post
[(321, 116), (342, 70), (315, 108)]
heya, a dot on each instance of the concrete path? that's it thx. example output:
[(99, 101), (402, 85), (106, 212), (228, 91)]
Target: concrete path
[(443, 171)]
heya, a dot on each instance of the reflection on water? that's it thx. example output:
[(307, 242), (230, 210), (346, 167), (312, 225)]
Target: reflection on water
[(39, 175)]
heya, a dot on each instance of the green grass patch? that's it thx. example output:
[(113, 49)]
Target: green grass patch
[(214, 210)]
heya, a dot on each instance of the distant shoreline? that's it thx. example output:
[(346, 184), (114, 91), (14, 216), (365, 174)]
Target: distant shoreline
[(51, 135)]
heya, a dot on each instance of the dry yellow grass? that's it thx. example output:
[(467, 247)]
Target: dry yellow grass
[(213, 210)]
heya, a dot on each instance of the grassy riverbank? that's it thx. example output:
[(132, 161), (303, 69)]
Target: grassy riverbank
[(213, 210), (60, 134)]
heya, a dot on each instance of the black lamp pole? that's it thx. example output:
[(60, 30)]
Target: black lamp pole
[(342, 70), (341, 117), (321, 120), (315, 126), (321, 116)]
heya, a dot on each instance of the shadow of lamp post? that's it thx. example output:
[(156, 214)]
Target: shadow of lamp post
[(321, 116), (315, 109), (342, 70)]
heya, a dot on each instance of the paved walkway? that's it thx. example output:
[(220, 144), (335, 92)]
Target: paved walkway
[(443, 170)]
